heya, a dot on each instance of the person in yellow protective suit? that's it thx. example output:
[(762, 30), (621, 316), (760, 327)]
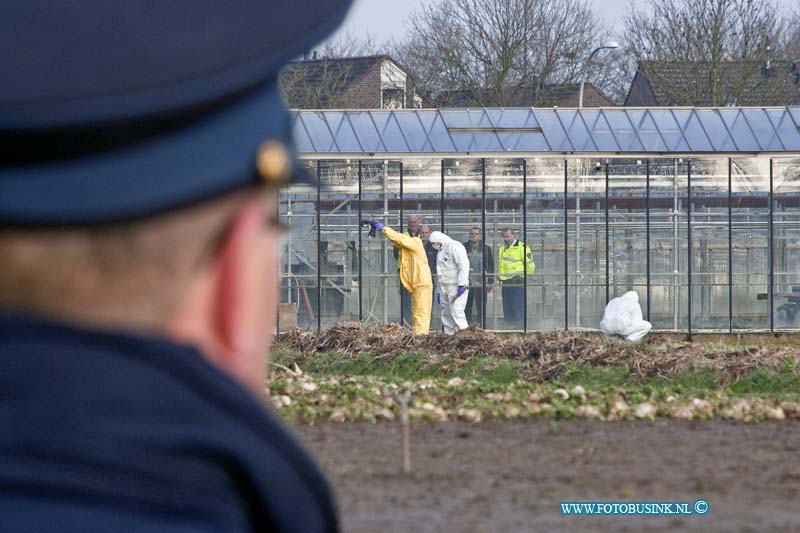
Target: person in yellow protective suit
[(415, 275)]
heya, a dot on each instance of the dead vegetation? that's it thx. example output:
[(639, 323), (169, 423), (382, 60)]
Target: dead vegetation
[(547, 353)]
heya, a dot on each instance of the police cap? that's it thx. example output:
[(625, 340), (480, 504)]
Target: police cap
[(112, 110)]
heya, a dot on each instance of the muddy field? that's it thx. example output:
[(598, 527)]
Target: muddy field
[(511, 476)]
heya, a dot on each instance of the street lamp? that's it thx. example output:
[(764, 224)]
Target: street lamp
[(610, 45)]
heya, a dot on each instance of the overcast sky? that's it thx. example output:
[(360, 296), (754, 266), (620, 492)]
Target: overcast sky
[(385, 19)]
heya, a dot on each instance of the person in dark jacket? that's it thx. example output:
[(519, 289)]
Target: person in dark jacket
[(143, 147), (430, 251), (479, 255)]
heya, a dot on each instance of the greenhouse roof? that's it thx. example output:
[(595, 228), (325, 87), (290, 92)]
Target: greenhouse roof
[(655, 130)]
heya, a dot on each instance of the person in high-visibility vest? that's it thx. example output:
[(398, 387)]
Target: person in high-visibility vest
[(415, 275), (405, 296), (513, 258)]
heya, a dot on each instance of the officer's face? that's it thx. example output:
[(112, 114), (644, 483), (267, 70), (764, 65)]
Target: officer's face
[(413, 224), (508, 237)]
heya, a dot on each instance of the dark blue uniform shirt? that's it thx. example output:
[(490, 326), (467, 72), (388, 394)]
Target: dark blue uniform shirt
[(112, 432)]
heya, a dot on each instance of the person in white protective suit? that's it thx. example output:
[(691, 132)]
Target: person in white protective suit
[(452, 268), (623, 317)]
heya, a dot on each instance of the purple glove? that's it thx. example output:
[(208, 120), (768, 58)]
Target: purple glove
[(461, 290), (378, 225)]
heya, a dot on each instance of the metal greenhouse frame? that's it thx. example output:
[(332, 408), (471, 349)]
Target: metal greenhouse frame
[(697, 209)]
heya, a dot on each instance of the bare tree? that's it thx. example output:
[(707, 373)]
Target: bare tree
[(793, 38), (347, 44), (320, 80), (498, 52), (315, 84), (704, 52)]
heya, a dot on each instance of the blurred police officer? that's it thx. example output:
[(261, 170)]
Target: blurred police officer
[(142, 146)]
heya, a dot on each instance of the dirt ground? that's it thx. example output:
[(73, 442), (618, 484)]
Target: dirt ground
[(511, 476)]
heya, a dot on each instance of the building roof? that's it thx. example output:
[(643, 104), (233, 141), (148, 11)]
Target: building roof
[(353, 68), (738, 83), (535, 130), (328, 83)]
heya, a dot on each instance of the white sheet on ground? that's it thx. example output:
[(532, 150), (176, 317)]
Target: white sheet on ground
[(623, 317)]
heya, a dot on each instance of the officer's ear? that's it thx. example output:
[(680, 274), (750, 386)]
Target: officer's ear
[(225, 309), (242, 293)]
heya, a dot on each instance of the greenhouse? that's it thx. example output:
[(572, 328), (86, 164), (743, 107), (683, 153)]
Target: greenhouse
[(697, 210)]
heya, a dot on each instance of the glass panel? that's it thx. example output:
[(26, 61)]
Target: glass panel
[(364, 128), (578, 132), (438, 137), (693, 130), (390, 132), (648, 132), (786, 218), (513, 118), (299, 255), (380, 189), (343, 135), (465, 118), (301, 139), (668, 128), (413, 130), (545, 213), (504, 210), (600, 129), (339, 241), (713, 126), (734, 118), (318, 131), (627, 184), (750, 236), (553, 131), (761, 128), (788, 137), (794, 111), (710, 243), (587, 281), (668, 264), (623, 130)]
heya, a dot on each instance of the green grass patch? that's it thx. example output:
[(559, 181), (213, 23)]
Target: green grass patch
[(768, 382), (407, 367), (490, 371)]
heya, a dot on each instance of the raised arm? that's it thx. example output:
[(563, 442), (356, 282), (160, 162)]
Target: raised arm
[(402, 240)]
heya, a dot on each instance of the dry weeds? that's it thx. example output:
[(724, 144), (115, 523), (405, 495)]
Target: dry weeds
[(547, 352)]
